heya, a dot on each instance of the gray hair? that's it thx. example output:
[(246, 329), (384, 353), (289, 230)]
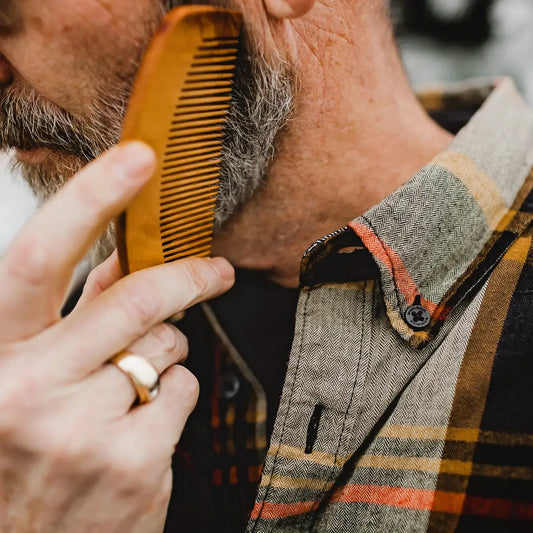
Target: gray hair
[(261, 106)]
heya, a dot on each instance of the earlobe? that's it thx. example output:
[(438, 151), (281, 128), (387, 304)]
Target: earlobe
[(282, 9)]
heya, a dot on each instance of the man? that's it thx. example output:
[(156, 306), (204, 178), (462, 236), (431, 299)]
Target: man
[(406, 398)]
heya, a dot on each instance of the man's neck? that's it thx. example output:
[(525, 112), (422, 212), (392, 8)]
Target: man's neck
[(357, 135)]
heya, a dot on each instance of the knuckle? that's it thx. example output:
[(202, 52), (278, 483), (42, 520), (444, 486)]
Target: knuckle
[(93, 282), (126, 464), (16, 405), (141, 299), (131, 469), (198, 277), (167, 337), (80, 455), (28, 260), (45, 437), (10, 413), (65, 453)]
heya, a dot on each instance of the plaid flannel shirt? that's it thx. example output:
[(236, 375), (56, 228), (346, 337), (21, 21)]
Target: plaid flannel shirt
[(408, 396), (408, 400)]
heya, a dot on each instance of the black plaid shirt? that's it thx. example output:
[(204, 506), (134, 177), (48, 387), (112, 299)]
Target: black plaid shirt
[(407, 396)]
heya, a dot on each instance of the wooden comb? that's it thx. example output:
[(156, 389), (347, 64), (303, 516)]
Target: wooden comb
[(179, 106)]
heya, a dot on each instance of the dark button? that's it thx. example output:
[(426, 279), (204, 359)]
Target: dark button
[(417, 317), (229, 386)]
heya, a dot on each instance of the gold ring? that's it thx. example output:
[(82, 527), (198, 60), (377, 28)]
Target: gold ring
[(142, 375)]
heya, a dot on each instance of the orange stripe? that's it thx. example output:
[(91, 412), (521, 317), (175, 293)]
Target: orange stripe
[(383, 495), (424, 500), (439, 501), (394, 264)]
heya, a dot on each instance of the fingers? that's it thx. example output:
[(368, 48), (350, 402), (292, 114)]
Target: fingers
[(163, 346), (166, 416), (100, 279), (37, 268), (131, 307)]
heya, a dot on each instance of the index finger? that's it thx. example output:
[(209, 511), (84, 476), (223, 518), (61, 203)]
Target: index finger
[(36, 269), (85, 340)]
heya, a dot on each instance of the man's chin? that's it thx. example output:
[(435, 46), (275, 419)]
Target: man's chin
[(46, 170)]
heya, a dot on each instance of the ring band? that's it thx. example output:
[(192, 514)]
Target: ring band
[(142, 375)]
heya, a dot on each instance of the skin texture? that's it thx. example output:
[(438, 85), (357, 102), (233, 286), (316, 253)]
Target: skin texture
[(356, 134), (74, 456), (73, 121)]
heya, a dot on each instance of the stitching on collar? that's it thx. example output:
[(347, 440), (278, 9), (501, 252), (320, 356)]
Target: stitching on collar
[(496, 220)]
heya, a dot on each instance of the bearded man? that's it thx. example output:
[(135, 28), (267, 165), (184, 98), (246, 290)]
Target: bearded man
[(406, 401)]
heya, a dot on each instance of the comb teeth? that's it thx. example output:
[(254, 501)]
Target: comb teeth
[(191, 164)]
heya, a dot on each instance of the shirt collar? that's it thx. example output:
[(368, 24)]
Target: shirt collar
[(439, 236)]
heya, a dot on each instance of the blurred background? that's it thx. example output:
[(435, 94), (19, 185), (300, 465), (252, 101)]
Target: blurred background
[(451, 40), (440, 40)]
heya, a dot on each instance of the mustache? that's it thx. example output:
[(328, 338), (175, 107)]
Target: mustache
[(29, 121)]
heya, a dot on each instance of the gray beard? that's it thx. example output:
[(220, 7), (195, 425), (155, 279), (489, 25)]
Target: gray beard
[(261, 107), (262, 104)]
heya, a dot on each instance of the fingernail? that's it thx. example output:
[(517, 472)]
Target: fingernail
[(223, 267), (134, 158)]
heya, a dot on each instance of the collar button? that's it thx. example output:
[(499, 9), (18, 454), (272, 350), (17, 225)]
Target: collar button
[(417, 317)]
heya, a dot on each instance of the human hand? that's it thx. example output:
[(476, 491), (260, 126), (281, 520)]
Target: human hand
[(74, 456)]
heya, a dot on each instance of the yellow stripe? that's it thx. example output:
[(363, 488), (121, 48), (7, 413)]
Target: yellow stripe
[(445, 466), (429, 433), (506, 439), (421, 464), (455, 434), (481, 187), (519, 250), (462, 434), (505, 472), (286, 482), (424, 464), (506, 220), (298, 454)]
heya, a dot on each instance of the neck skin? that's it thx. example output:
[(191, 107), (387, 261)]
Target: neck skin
[(357, 135)]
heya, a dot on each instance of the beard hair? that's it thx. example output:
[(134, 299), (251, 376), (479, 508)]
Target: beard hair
[(260, 109), (29, 121), (261, 106)]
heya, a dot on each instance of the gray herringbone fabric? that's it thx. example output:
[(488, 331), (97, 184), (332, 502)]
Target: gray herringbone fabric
[(385, 426)]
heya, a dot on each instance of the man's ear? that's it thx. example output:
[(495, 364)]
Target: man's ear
[(282, 9)]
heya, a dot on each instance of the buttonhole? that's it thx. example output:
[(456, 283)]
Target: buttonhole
[(417, 300), (312, 429)]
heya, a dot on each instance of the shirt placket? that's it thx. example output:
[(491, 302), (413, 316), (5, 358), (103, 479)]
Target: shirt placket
[(313, 435)]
